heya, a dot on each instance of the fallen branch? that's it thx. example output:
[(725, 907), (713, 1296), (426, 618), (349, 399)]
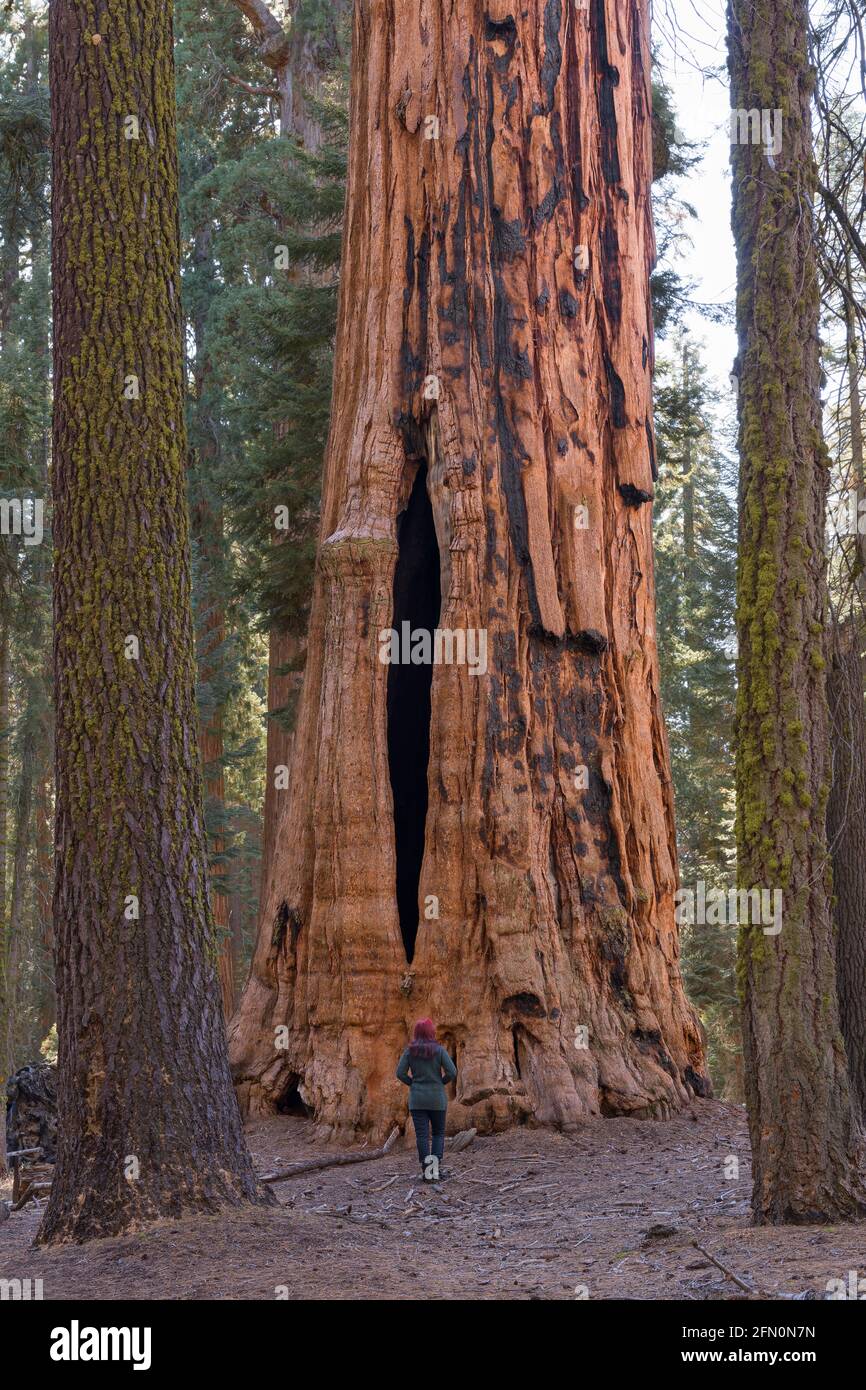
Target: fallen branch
[(513, 1182), (380, 1186), (741, 1283), (311, 1165)]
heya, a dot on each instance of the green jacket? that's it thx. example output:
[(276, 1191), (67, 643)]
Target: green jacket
[(423, 1076)]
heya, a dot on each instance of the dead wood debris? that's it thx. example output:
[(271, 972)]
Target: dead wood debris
[(741, 1283), (460, 1142), (311, 1165)]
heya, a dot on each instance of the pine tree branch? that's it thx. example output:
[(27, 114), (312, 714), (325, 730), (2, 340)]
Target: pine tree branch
[(248, 87), (272, 37), (836, 206)]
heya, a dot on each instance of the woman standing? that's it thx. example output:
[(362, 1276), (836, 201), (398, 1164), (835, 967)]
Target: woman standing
[(420, 1068)]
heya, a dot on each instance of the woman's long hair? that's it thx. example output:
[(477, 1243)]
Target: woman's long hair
[(423, 1042)]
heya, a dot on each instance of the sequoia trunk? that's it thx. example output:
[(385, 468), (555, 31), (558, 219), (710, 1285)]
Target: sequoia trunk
[(484, 833), (149, 1125)]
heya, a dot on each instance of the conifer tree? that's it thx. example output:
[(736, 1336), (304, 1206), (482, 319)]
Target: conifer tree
[(803, 1134), (25, 719), (149, 1125), (261, 212), (695, 541)]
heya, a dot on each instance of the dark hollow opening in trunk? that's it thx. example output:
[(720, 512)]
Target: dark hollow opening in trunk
[(290, 1102), (449, 1042), (417, 603), (515, 1039)]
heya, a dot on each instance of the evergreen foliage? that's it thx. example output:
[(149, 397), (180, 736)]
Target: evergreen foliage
[(695, 539)]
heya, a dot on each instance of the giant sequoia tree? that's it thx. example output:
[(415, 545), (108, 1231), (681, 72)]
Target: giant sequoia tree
[(802, 1132), (149, 1123), (493, 847)]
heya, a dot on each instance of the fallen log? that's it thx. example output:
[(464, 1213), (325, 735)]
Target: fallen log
[(31, 1110), (311, 1165), (462, 1140)]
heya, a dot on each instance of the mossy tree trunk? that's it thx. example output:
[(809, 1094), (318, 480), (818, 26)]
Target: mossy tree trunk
[(490, 468), (803, 1138), (149, 1124)]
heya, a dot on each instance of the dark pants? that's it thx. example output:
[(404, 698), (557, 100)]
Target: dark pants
[(424, 1121)]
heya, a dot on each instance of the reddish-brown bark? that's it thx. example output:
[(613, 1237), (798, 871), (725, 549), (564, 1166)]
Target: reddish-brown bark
[(460, 502), (282, 651)]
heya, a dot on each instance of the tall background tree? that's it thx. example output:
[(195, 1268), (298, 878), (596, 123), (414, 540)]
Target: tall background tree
[(25, 603), (298, 241), (841, 241), (263, 189), (695, 525)]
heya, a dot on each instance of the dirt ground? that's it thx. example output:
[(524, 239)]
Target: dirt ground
[(607, 1212)]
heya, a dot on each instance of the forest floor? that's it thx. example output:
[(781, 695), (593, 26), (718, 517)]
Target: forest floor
[(608, 1212)]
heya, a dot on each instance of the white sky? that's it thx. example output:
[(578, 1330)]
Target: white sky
[(690, 35)]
